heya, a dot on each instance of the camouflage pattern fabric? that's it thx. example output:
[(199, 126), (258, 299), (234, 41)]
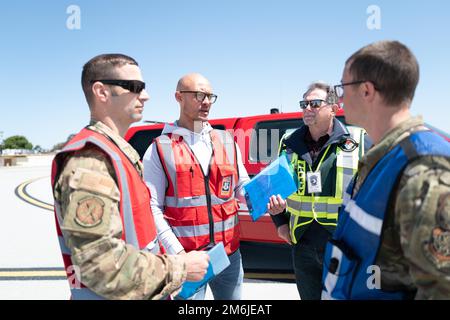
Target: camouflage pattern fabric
[(88, 194), (415, 251)]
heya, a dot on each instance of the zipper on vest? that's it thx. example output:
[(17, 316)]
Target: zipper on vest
[(211, 218), (208, 198)]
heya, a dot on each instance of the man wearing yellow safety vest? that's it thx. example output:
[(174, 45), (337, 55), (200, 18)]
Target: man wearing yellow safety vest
[(324, 154)]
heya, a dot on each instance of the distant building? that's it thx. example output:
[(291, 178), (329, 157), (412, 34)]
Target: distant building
[(21, 157), (12, 152)]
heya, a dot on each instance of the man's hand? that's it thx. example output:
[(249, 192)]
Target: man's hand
[(196, 265), (283, 233), (276, 205)]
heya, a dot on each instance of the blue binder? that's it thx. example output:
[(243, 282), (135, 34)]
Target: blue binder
[(218, 261), (276, 178)]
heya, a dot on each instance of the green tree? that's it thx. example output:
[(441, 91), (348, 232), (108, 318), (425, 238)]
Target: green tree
[(38, 149), (16, 142)]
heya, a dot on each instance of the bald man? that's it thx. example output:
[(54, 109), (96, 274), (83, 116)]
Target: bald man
[(195, 174)]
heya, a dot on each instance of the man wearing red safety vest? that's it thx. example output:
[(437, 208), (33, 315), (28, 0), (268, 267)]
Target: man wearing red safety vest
[(104, 222), (195, 174)]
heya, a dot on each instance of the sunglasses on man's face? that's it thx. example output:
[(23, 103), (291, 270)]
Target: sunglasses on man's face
[(135, 86), (315, 103)]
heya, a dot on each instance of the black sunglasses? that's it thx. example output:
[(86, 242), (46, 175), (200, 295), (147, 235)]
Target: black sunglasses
[(135, 86), (315, 103), (200, 96)]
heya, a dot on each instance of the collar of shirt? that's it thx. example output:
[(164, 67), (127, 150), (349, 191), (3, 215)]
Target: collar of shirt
[(297, 140), (200, 143), (314, 147), (389, 141), (192, 138), (129, 151)]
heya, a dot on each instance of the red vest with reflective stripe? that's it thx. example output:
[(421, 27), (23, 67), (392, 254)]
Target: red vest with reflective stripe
[(201, 210), (137, 219)]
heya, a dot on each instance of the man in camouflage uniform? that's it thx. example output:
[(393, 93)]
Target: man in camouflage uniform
[(413, 253), (87, 196)]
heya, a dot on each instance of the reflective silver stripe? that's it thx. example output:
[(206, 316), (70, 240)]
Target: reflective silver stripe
[(298, 205), (226, 225), (347, 159), (346, 198), (331, 279), (168, 158), (216, 200), (326, 296), (191, 231), (243, 207), (228, 142), (318, 207), (348, 172), (203, 230), (130, 230), (333, 207), (198, 201), (356, 133), (62, 245), (85, 294), (175, 202), (153, 246), (365, 220), (292, 219), (348, 175)]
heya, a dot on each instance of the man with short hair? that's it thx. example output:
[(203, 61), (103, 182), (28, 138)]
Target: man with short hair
[(324, 154), (105, 226), (195, 174), (393, 235)]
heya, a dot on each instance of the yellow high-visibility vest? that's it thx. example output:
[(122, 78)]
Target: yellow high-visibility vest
[(304, 209)]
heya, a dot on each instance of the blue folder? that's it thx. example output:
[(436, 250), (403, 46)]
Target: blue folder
[(218, 261), (276, 178)]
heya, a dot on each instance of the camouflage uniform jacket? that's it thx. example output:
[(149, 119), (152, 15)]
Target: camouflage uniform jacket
[(414, 255), (108, 266)]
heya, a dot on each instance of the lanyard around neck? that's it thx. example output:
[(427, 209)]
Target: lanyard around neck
[(321, 160)]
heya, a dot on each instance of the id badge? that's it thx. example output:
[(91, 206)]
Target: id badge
[(314, 182)]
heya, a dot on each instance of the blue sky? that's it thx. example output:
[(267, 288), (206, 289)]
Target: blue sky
[(257, 54)]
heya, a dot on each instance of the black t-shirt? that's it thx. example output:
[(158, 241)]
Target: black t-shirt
[(314, 147)]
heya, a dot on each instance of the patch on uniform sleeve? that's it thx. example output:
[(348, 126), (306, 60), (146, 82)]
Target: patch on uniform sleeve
[(443, 212), (348, 145), (440, 245), (89, 212), (437, 249), (96, 182)]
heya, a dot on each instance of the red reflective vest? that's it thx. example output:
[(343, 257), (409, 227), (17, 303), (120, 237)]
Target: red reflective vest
[(137, 219), (201, 210)]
